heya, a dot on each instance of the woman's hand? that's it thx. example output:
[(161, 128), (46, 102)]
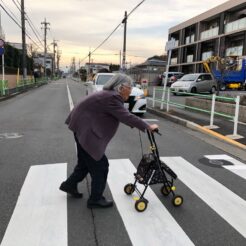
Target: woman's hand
[(153, 127)]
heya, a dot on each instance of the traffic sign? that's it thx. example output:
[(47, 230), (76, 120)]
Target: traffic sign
[(1, 51), (2, 42), (170, 44)]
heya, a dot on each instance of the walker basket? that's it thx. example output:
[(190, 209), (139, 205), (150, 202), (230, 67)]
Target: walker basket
[(146, 166)]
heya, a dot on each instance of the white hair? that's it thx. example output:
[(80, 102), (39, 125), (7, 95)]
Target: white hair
[(117, 81)]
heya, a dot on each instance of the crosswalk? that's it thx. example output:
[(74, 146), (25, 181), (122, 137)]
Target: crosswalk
[(41, 220)]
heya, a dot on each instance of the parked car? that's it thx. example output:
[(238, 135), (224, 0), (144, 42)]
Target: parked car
[(136, 102), (171, 77), (195, 83)]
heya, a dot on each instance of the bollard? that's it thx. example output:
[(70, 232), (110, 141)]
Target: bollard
[(236, 116), (153, 102), (168, 99)]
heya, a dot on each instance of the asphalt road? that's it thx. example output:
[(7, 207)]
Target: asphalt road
[(33, 133)]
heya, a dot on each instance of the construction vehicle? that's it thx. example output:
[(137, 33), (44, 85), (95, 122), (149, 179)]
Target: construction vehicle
[(230, 72)]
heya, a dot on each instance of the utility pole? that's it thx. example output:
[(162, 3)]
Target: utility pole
[(124, 21), (54, 57), (58, 57), (89, 63), (45, 41), (24, 72)]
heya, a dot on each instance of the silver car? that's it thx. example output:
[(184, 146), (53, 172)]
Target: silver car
[(195, 83)]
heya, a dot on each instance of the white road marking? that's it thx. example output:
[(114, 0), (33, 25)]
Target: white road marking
[(40, 215), (238, 167), (227, 204), (154, 226), (70, 99), (151, 120)]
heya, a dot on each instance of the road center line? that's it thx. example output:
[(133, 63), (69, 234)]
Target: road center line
[(40, 215), (70, 99), (155, 226)]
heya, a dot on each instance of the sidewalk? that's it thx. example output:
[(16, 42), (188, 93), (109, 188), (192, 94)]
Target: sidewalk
[(199, 121)]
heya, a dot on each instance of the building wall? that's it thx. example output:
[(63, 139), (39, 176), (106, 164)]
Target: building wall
[(218, 32)]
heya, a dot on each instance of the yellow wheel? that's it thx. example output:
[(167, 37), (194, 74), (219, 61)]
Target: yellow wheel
[(129, 189), (165, 190), (177, 201), (141, 205)]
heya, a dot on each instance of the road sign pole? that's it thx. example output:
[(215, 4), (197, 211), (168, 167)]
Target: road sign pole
[(3, 75), (169, 46)]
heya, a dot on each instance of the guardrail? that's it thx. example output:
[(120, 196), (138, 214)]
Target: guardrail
[(212, 111), (3, 87)]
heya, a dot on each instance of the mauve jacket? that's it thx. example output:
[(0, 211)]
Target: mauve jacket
[(95, 120)]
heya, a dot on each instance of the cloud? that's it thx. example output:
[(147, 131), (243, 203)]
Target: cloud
[(81, 25)]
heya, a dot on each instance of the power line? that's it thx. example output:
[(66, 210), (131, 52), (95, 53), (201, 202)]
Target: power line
[(17, 24), (10, 15), (135, 8), (113, 30), (18, 7)]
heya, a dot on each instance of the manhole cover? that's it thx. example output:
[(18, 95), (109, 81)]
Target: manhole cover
[(215, 163)]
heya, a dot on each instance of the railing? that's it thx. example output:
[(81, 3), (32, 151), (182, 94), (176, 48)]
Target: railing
[(3, 87), (21, 85), (212, 111), (235, 25), (210, 33)]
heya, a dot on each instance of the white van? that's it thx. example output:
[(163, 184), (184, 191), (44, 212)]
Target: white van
[(136, 102)]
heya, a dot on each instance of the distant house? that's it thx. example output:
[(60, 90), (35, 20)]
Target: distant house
[(96, 67)]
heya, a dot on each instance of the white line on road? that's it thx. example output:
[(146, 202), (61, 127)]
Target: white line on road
[(40, 215), (70, 99), (238, 167), (150, 120), (227, 204), (155, 226)]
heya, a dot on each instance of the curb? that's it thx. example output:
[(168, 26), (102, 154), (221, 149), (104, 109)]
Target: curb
[(196, 127)]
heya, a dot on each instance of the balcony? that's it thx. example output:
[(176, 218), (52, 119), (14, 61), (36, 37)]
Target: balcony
[(234, 51), (174, 60), (235, 25), (206, 55), (190, 39), (189, 58), (210, 33)]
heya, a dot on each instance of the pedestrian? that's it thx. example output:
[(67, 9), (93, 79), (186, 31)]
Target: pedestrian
[(94, 121)]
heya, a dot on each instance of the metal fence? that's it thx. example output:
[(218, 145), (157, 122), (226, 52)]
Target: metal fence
[(165, 100)]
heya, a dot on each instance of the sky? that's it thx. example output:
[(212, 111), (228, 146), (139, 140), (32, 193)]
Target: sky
[(81, 25)]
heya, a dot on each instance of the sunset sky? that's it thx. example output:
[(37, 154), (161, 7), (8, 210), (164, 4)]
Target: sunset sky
[(81, 25)]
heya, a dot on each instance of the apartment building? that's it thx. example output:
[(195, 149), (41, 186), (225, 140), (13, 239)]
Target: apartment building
[(221, 31)]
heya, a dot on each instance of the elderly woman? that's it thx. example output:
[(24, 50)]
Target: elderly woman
[(94, 122)]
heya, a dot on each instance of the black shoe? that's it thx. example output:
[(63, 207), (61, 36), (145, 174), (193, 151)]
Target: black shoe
[(102, 203), (71, 191)]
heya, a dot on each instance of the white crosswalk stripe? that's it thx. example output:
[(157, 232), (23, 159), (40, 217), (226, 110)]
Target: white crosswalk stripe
[(227, 204), (40, 215), (155, 225)]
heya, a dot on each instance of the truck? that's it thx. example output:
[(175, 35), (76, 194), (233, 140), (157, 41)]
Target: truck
[(230, 72)]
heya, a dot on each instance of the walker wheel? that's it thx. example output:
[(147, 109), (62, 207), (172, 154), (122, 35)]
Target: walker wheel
[(129, 189), (165, 190), (177, 201), (141, 205)]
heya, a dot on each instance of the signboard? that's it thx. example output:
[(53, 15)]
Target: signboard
[(1, 51), (170, 44), (2, 43)]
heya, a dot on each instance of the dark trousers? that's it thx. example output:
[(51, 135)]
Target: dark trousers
[(98, 171)]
